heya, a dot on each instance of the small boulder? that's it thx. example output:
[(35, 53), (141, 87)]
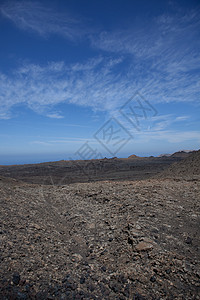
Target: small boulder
[(144, 246)]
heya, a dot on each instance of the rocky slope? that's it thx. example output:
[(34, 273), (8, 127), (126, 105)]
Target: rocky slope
[(188, 168), (182, 154), (100, 240), (178, 154)]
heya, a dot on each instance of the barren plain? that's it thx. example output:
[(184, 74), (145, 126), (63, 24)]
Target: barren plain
[(130, 230)]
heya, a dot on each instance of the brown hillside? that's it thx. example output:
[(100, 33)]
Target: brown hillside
[(182, 154), (133, 156), (187, 168)]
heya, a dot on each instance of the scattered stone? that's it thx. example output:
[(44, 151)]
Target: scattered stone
[(188, 241), (82, 280), (144, 246), (60, 248), (16, 278), (153, 279), (103, 268)]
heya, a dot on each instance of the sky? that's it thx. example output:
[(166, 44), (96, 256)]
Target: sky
[(92, 79)]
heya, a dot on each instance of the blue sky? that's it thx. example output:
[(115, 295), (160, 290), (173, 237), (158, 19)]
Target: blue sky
[(88, 79)]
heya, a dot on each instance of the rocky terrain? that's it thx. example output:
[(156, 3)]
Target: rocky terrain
[(108, 239), (179, 154), (65, 172), (189, 168)]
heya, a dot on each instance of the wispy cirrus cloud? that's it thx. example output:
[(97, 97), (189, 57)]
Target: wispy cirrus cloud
[(160, 59), (35, 16), (55, 116), (40, 143), (164, 122), (99, 83), (41, 88), (162, 35), (163, 54), (171, 136), (49, 142), (182, 118)]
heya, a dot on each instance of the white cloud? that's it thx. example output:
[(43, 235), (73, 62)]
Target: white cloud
[(169, 136), (160, 60), (161, 36), (159, 127), (92, 84), (98, 83), (165, 121), (55, 116), (64, 140), (4, 115), (182, 118), (164, 56), (40, 143), (32, 15)]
